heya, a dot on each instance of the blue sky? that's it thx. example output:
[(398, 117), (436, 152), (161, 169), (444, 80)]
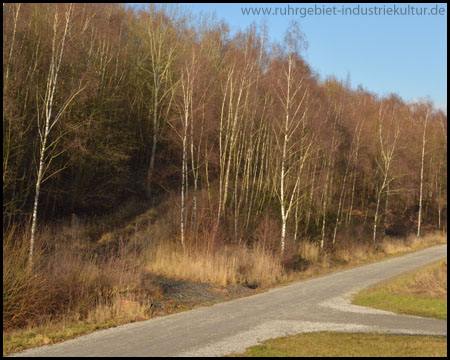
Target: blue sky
[(403, 54)]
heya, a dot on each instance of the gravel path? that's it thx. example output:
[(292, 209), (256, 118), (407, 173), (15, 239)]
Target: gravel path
[(318, 304)]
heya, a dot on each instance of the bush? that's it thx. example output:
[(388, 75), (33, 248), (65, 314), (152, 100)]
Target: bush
[(66, 281), (24, 292)]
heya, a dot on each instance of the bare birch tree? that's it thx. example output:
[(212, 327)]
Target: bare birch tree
[(292, 94), (424, 140), (49, 118), (387, 146)]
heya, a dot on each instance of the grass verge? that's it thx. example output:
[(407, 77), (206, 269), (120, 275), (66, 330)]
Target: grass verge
[(422, 293), (51, 332), (332, 344)]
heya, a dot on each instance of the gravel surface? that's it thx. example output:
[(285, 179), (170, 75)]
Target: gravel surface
[(181, 293)]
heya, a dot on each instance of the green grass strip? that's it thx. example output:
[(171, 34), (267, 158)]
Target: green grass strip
[(412, 294), (333, 344)]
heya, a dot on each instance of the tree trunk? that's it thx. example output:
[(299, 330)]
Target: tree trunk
[(419, 222), (52, 81)]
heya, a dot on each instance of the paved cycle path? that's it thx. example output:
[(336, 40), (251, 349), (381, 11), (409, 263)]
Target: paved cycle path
[(317, 304)]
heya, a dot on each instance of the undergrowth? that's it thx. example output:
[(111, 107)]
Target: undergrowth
[(83, 282)]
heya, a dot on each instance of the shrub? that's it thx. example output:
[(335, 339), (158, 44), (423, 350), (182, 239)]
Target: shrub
[(24, 292)]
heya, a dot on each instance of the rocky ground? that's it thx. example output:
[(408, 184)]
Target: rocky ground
[(176, 294)]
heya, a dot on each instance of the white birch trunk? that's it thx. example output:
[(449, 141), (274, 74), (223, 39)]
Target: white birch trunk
[(52, 81), (419, 222), (386, 210)]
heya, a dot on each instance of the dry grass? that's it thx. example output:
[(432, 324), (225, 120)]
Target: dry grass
[(260, 267), (309, 251), (74, 288), (393, 246), (359, 251), (422, 293), (430, 282), (70, 278), (331, 344), (103, 316), (429, 239), (121, 309), (255, 267), (354, 252), (23, 293)]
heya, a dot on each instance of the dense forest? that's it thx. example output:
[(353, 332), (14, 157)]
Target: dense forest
[(104, 103)]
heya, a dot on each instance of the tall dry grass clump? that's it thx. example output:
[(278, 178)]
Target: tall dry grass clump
[(354, 251), (70, 279), (430, 282), (233, 264), (24, 293), (309, 251), (80, 283), (392, 245), (429, 239)]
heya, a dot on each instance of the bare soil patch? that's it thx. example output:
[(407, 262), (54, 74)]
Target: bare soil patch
[(177, 294)]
